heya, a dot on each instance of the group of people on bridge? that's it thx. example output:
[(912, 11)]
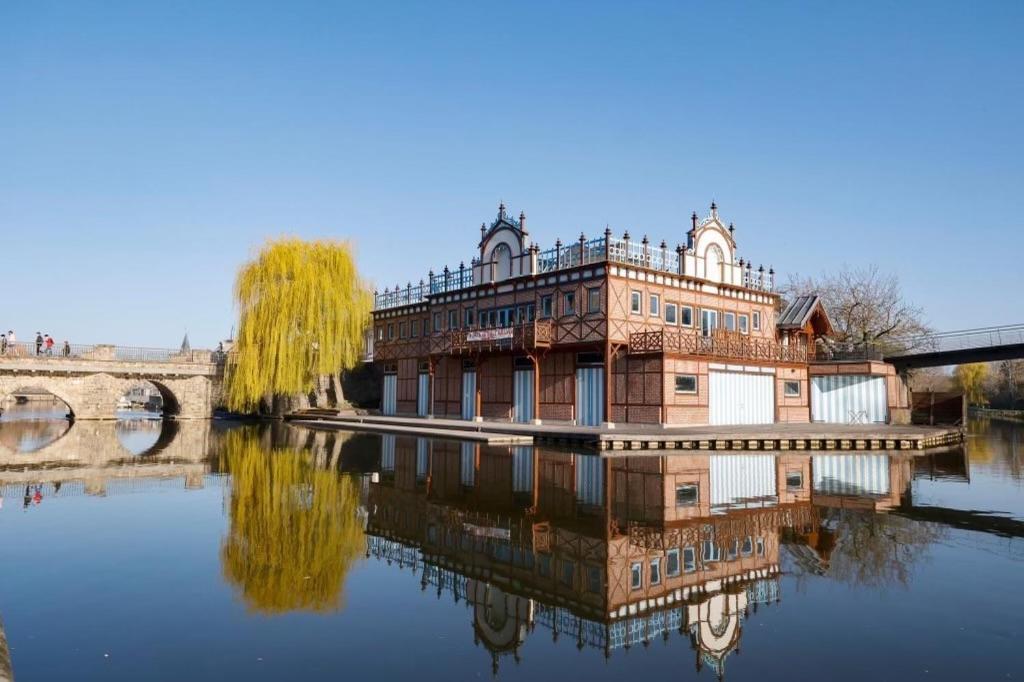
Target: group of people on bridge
[(44, 345)]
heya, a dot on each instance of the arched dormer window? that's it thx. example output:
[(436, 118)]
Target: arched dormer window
[(502, 258), (713, 260)]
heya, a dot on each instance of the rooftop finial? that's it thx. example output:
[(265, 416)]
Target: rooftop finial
[(501, 210), (714, 209)]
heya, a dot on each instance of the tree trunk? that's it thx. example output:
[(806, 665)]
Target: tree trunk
[(339, 393), (321, 391)]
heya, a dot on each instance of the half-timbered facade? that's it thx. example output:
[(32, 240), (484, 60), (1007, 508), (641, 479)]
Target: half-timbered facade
[(593, 332)]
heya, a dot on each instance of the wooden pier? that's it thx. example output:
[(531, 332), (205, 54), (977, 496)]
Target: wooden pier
[(637, 437)]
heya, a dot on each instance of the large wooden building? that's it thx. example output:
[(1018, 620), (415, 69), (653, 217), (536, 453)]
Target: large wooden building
[(606, 330)]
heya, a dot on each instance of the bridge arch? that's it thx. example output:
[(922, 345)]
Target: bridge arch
[(9, 386), (171, 404)]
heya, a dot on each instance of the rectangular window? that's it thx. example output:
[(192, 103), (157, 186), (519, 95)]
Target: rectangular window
[(403, 330), (708, 322), (544, 565), (380, 333), (689, 560), (672, 567), (655, 571), (391, 330), (568, 570), (744, 324), (757, 320), (503, 318), (759, 546), (655, 305), (747, 548), (687, 495), (453, 319), (569, 304), (686, 316), (529, 312), (593, 300), (794, 480), (635, 302), (671, 316), (730, 322), (545, 306), (792, 389), (415, 328), (711, 552), (636, 575), (437, 322), (686, 383), (593, 579), (468, 318)]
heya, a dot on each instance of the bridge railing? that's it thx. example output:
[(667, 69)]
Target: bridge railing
[(108, 353), (967, 339)]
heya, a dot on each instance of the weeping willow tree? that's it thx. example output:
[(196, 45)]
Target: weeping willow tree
[(293, 529), (303, 309)]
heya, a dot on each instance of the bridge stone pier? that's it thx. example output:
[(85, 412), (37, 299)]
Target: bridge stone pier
[(190, 383)]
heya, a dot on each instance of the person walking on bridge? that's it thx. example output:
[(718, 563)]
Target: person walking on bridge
[(12, 342), (49, 345), (39, 343), (3, 344), (66, 350)]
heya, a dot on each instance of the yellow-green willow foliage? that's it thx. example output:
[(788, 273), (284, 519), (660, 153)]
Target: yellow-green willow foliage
[(293, 529), (303, 308)]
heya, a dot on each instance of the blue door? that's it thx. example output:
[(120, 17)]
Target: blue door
[(423, 395), (522, 396), (389, 401), (589, 396), (468, 394)]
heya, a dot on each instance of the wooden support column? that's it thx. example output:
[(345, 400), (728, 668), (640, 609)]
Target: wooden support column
[(430, 372), (479, 399), (536, 389), (609, 357)]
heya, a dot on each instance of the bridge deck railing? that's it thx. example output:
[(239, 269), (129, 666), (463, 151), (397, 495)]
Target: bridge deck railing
[(985, 337), (107, 353)]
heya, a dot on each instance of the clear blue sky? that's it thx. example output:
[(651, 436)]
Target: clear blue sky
[(147, 148)]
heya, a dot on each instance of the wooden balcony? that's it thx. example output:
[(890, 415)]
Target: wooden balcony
[(524, 336), (722, 344)]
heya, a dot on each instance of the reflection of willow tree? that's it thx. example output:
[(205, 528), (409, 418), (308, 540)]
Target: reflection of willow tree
[(294, 532), (877, 549), (6, 670)]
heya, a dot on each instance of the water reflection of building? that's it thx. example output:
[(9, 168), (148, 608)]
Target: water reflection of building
[(609, 552)]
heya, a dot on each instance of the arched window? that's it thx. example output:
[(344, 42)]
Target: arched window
[(713, 259), (502, 257)]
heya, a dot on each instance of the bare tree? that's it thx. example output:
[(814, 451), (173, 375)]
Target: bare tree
[(867, 307)]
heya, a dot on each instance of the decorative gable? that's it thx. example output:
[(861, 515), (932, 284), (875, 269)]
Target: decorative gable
[(504, 249)]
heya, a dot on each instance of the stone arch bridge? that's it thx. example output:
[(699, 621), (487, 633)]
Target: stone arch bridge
[(91, 379)]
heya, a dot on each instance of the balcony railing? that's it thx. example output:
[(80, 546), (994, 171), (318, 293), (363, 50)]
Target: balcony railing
[(570, 255), (724, 345), (524, 336)]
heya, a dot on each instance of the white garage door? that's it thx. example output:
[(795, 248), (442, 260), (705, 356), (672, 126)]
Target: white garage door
[(739, 398), (848, 399)]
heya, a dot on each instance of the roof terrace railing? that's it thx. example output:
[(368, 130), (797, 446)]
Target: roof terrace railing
[(570, 255)]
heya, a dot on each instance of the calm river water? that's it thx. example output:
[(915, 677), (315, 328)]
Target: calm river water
[(141, 550)]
